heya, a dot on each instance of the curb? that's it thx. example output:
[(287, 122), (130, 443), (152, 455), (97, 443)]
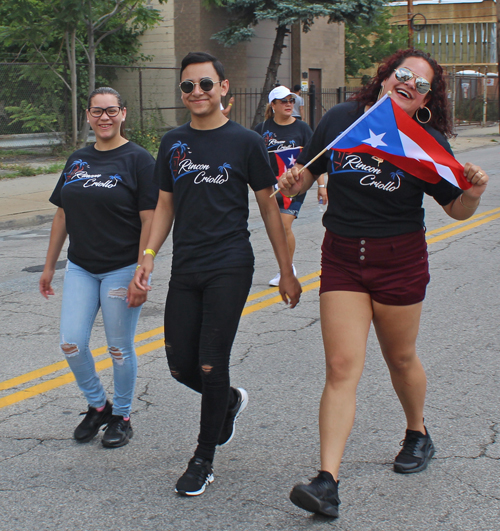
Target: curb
[(26, 221)]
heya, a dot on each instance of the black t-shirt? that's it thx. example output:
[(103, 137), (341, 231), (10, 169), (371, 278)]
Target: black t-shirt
[(209, 172), (283, 137), (369, 196), (102, 193)]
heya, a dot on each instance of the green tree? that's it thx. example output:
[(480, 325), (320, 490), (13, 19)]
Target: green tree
[(70, 31), (245, 14), (368, 42)]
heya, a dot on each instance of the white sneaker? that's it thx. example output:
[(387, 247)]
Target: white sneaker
[(276, 280)]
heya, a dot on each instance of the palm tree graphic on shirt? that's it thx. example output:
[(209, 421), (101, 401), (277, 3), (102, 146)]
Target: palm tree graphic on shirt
[(76, 166), (397, 176), (223, 169), (179, 150)]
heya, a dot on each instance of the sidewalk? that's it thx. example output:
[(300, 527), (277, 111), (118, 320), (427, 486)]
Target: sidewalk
[(24, 201)]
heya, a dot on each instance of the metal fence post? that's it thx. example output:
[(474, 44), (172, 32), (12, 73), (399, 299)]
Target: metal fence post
[(312, 106), (141, 108), (485, 97)]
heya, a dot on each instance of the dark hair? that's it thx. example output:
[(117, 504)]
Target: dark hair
[(296, 88), (106, 90), (438, 100), (203, 57), (116, 94)]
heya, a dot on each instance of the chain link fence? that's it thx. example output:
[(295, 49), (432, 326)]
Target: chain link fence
[(35, 103)]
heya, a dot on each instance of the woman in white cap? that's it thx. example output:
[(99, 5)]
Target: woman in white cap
[(284, 136)]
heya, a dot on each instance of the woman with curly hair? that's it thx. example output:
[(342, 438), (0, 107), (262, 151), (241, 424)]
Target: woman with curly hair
[(375, 263)]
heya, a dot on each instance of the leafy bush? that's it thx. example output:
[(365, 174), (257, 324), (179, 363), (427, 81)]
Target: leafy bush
[(149, 135), (32, 119)]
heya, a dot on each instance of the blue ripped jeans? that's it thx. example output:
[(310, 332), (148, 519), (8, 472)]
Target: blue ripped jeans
[(83, 294)]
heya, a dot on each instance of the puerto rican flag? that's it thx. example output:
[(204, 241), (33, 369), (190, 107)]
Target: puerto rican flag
[(387, 131), (286, 159)]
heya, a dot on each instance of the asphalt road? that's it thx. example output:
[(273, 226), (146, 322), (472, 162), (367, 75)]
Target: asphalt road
[(48, 482)]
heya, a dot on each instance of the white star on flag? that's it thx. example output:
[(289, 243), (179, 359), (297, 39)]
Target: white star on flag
[(292, 160), (375, 140)]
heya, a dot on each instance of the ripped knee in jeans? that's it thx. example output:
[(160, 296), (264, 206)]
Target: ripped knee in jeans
[(207, 369), (70, 349), (117, 355), (173, 371)]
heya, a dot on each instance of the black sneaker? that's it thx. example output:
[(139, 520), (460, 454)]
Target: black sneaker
[(91, 424), (321, 496), (416, 453), (118, 432), (227, 432), (198, 476)]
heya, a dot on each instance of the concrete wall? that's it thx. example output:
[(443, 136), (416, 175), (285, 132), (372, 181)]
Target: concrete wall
[(187, 26), (159, 86), (323, 48), (259, 51)]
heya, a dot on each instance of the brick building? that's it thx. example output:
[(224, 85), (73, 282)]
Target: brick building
[(188, 26)]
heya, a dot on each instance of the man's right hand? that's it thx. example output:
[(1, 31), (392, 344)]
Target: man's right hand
[(141, 277)]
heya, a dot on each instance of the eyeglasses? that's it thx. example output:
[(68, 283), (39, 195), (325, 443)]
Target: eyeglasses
[(206, 84), (404, 74), (96, 112), (285, 101)]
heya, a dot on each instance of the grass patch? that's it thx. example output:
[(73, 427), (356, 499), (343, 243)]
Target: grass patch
[(19, 170), (4, 153)]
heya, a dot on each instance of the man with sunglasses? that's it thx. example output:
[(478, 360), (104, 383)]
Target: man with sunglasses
[(204, 169)]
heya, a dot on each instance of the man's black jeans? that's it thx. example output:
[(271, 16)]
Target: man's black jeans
[(202, 313)]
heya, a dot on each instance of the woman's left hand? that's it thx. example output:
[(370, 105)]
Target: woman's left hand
[(478, 178), (135, 296)]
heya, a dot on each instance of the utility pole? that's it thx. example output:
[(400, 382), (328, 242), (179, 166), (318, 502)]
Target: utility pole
[(498, 60), (410, 27)]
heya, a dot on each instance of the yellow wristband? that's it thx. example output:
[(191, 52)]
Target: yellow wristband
[(230, 105), (149, 251), (138, 266)]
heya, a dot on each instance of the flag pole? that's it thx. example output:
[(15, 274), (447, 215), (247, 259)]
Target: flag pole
[(373, 107)]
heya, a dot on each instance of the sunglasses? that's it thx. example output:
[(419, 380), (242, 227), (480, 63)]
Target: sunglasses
[(96, 112), (404, 74), (285, 101), (206, 84)]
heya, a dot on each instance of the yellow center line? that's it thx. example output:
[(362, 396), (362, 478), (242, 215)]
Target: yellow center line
[(462, 229), (461, 222), (58, 381)]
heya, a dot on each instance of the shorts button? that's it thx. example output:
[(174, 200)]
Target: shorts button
[(362, 242), (361, 257), (362, 249)]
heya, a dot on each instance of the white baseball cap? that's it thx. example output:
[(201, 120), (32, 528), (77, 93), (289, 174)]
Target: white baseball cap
[(279, 93)]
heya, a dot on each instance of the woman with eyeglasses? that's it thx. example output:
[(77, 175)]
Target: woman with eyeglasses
[(106, 198), (375, 263), (284, 137)]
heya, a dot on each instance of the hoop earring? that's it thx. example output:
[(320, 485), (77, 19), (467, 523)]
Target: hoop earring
[(418, 117)]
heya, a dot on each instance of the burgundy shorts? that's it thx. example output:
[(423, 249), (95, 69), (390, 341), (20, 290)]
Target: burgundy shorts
[(393, 271)]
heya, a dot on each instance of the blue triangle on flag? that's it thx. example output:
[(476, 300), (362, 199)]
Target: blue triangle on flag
[(377, 129)]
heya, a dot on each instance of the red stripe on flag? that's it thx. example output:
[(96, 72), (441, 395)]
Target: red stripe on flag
[(282, 168)]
